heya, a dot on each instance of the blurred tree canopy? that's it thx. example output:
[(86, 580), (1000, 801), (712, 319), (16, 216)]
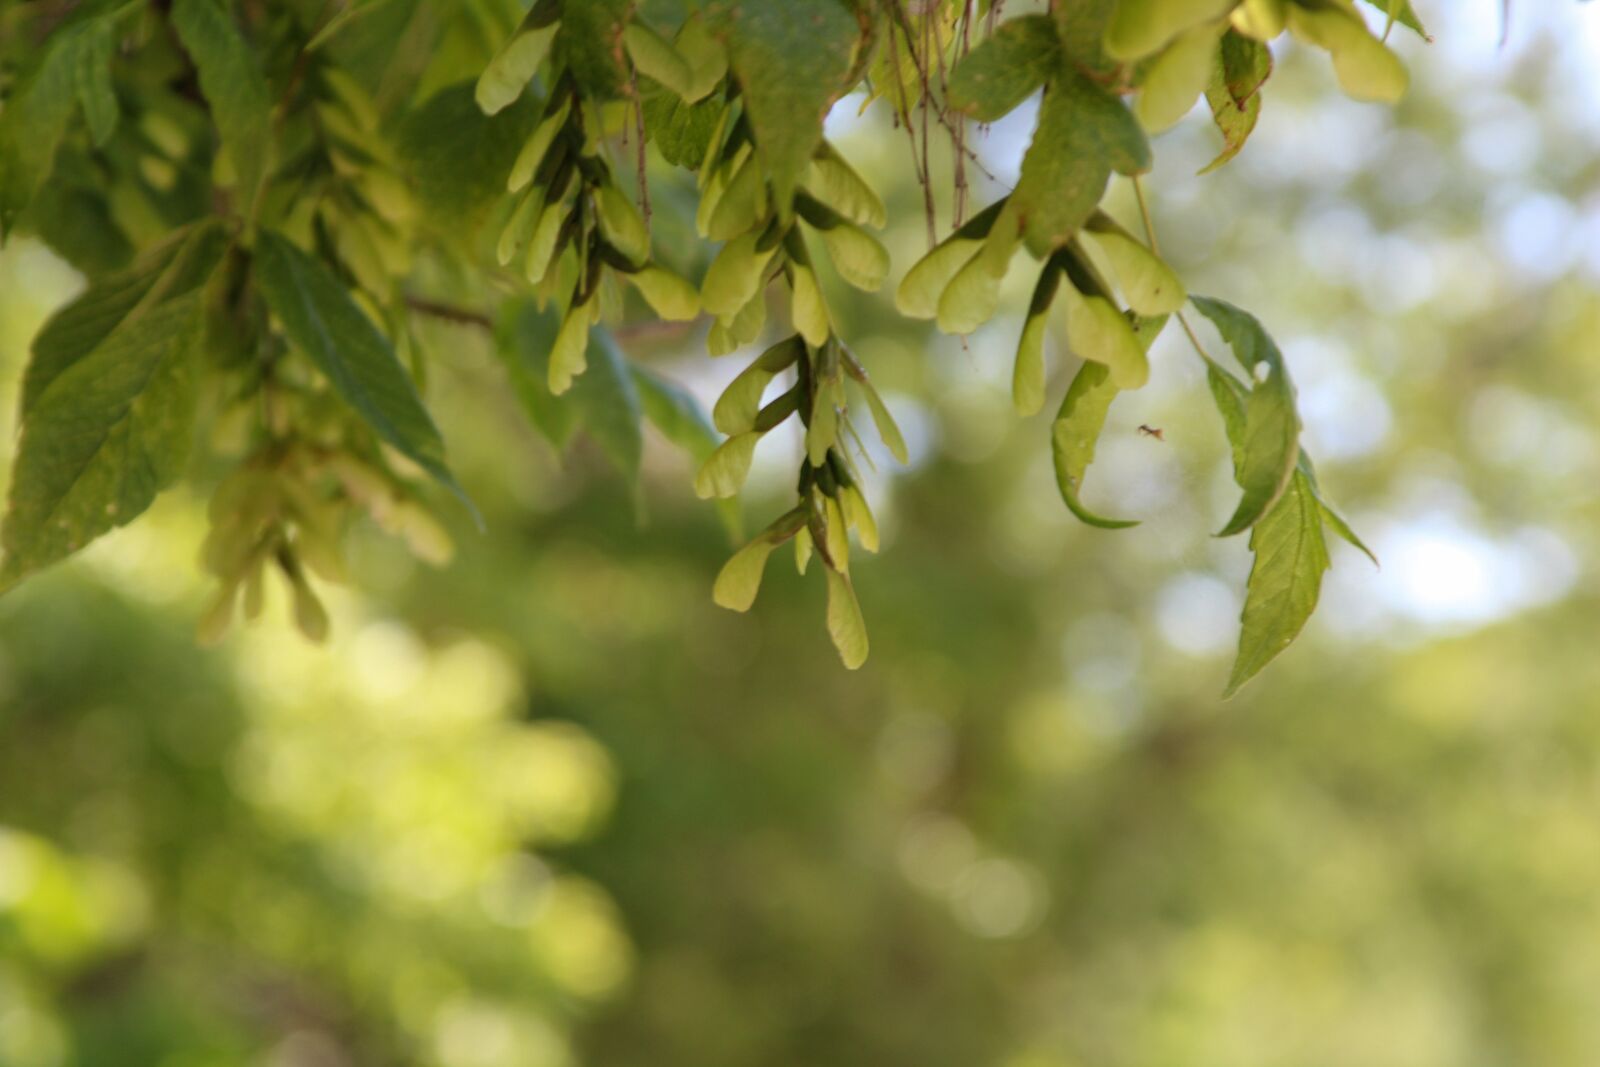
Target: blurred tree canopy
[(540, 800)]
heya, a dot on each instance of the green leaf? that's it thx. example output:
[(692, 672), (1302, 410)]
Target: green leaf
[(807, 308), (1366, 69), (1147, 283), (919, 291), (832, 180), (175, 267), (668, 295), (741, 205), (538, 144), (590, 44), (569, 357), (1285, 580), (707, 58), (675, 412), (740, 578), (1267, 439), (1079, 424), (845, 625), (96, 95), (682, 132), (1027, 377), (654, 57), (610, 405), (523, 341), (1073, 435), (735, 276), (621, 224), (104, 437), (1332, 518), (857, 255), (1140, 27), (33, 121), (234, 87), (1234, 94), (1006, 68), (321, 319), (509, 72), (1097, 331), (888, 429), (1402, 12), (792, 61), (1082, 25), (724, 472), (736, 409), (457, 157), (1084, 133), (1177, 77), (108, 401)]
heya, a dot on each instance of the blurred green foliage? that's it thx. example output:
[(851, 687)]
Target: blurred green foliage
[(549, 805)]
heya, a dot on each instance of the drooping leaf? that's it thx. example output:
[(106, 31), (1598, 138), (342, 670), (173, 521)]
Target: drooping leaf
[(509, 72), (1240, 68), (740, 578), (735, 411), (1267, 440), (1006, 68), (1285, 580), (1177, 77), (919, 291), (845, 625), (322, 320), (1148, 285), (1140, 27), (33, 121), (457, 158), (96, 95), (1078, 426), (655, 57), (668, 295), (175, 267), (858, 256), (234, 88), (1366, 69), (1084, 133), (1027, 376), (792, 61), (1402, 12), (724, 472), (104, 437), (610, 405), (590, 44), (832, 180), (1097, 331)]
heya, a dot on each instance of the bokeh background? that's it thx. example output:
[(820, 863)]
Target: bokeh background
[(548, 806)]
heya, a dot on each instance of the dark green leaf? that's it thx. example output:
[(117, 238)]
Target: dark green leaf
[(33, 121), (234, 87), (1006, 68), (457, 157), (176, 267), (590, 44), (792, 61), (104, 437), (1267, 443), (322, 320), (609, 405), (95, 93), (1290, 558), (1084, 133)]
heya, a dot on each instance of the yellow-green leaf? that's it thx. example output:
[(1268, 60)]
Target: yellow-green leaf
[(845, 625), (1097, 331), (668, 294), (725, 470)]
